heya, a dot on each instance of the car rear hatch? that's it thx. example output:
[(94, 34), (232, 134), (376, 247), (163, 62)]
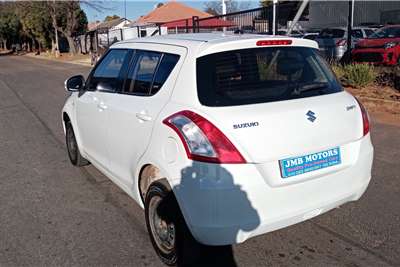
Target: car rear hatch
[(277, 103), (278, 130)]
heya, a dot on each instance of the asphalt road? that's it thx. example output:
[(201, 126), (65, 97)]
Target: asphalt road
[(52, 213)]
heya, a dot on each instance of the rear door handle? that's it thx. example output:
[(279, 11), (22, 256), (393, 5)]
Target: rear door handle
[(143, 117)]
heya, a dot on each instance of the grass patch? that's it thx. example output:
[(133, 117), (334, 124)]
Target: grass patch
[(355, 75)]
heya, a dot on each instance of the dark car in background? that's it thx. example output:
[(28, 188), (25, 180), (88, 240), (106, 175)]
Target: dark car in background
[(382, 47), (332, 42)]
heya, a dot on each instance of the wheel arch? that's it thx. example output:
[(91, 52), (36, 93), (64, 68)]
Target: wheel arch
[(148, 174), (67, 118)]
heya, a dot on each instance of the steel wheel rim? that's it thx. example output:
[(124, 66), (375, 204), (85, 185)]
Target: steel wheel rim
[(163, 232)]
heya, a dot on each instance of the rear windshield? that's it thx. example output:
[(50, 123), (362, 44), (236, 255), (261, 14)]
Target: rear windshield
[(261, 75), (331, 33)]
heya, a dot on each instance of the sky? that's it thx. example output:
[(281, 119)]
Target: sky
[(135, 8)]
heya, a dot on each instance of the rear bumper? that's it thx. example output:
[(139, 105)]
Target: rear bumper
[(378, 56), (227, 204)]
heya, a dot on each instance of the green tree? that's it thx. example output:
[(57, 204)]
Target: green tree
[(266, 3), (71, 20), (109, 18), (215, 7), (211, 11), (36, 22), (9, 23)]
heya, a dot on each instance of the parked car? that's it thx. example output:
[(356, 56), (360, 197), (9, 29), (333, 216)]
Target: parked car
[(333, 41), (219, 138), (382, 47), (372, 25), (310, 35)]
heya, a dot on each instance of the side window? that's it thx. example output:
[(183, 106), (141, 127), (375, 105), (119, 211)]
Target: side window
[(106, 74), (167, 64), (357, 33), (368, 32), (141, 75)]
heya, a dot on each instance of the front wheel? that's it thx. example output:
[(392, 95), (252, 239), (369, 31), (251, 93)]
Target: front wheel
[(168, 231), (72, 147)]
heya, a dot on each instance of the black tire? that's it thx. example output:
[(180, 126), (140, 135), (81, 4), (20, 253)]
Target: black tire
[(173, 243), (72, 146)]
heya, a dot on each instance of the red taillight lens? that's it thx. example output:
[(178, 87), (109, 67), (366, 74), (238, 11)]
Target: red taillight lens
[(365, 118), (273, 42), (202, 140), (341, 42)]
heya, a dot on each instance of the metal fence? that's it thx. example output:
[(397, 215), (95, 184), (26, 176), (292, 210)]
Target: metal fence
[(258, 20), (96, 42)]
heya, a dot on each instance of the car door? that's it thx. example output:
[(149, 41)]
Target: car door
[(91, 111), (133, 111)]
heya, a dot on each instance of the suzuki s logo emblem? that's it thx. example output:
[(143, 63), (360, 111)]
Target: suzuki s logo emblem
[(311, 116)]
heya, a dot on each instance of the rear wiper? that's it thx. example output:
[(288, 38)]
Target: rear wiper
[(309, 87)]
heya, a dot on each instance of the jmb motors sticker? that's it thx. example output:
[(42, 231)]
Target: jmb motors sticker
[(303, 164)]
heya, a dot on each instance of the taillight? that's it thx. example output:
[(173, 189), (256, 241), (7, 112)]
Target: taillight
[(273, 42), (202, 140), (341, 42), (364, 117)]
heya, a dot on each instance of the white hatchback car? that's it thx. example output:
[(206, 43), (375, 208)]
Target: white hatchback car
[(219, 137)]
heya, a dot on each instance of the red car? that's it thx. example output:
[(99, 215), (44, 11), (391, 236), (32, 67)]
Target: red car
[(381, 47)]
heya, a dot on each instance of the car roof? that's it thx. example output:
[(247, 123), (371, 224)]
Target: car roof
[(187, 38), (392, 26), (205, 43)]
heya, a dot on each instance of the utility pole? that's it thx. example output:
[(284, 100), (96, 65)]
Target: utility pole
[(297, 16), (352, 13), (223, 7), (125, 10), (224, 13), (350, 26), (274, 17)]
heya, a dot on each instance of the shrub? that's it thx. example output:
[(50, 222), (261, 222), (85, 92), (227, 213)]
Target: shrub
[(355, 75), (338, 70)]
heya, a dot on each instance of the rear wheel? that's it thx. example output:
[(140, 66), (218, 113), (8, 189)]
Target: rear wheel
[(168, 232), (72, 147)]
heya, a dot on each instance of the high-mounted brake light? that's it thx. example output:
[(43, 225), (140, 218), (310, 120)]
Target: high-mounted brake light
[(365, 118), (202, 140), (273, 42)]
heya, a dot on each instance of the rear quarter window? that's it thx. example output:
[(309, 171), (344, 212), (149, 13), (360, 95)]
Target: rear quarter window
[(261, 75), (149, 72)]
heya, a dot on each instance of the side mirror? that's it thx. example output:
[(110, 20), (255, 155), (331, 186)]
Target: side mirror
[(75, 83)]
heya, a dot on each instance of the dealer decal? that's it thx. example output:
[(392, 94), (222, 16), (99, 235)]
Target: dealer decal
[(303, 164)]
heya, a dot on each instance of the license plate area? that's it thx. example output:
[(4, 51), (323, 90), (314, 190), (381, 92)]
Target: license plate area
[(303, 164)]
